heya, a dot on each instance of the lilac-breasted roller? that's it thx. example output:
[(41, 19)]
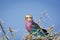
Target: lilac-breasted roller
[(32, 27)]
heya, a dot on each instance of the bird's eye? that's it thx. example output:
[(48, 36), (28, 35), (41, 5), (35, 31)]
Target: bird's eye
[(30, 17), (26, 17)]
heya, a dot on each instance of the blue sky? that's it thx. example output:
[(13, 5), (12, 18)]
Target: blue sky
[(12, 12)]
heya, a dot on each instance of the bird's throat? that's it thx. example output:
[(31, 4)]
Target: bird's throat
[(28, 25)]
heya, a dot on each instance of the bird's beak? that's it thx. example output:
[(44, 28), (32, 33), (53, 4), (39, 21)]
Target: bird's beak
[(29, 19)]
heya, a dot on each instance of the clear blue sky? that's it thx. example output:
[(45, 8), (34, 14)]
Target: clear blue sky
[(12, 12)]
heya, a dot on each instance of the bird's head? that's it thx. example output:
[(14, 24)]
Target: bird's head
[(28, 17)]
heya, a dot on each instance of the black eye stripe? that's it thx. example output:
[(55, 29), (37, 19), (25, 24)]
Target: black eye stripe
[(26, 17), (31, 17)]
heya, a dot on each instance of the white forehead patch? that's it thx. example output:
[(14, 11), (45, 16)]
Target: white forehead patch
[(28, 15)]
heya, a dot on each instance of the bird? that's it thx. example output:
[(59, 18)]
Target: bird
[(33, 28)]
